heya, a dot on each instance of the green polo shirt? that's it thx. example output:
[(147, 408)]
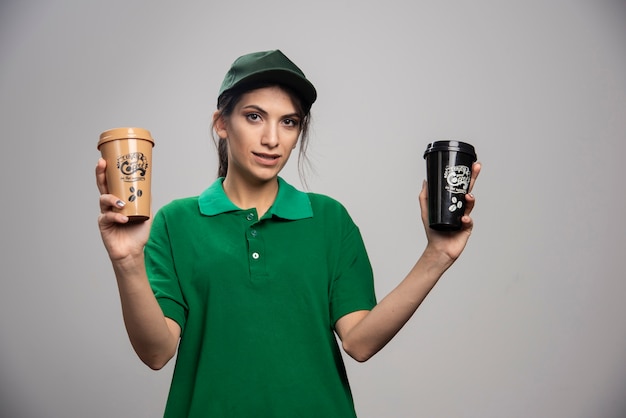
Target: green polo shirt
[(257, 300)]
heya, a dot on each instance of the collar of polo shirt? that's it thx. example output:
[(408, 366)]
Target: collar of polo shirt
[(290, 203)]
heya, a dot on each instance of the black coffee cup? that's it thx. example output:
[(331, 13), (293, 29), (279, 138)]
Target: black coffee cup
[(448, 172)]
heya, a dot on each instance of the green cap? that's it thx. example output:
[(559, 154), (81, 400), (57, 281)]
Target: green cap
[(272, 67)]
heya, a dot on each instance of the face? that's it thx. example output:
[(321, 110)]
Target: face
[(261, 132)]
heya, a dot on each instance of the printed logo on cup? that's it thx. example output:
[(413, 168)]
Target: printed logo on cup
[(458, 178), (133, 166)]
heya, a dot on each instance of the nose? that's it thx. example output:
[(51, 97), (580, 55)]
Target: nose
[(270, 136)]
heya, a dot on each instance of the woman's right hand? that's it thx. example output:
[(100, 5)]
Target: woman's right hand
[(153, 336), (120, 238)]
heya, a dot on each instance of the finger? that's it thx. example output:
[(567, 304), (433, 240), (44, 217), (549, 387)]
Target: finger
[(467, 223), (476, 167), (423, 198), (109, 201), (470, 201), (101, 180), (107, 219)]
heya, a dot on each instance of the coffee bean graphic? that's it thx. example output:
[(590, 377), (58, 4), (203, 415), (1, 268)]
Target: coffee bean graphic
[(136, 193), (456, 204)]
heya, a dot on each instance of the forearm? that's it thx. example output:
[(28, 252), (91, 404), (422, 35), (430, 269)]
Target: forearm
[(147, 328), (384, 321)]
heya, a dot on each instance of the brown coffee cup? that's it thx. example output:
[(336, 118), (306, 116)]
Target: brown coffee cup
[(128, 153)]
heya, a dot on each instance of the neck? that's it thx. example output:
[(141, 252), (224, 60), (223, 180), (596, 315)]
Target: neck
[(260, 196)]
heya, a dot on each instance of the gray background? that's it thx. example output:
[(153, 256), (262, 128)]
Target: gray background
[(529, 323)]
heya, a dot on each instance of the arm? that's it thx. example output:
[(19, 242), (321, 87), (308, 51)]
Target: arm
[(153, 336), (364, 333)]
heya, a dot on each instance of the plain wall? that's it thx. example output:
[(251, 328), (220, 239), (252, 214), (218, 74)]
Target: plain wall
[(530, 322)]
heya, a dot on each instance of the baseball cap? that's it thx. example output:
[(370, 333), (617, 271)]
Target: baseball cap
[(273, 67)]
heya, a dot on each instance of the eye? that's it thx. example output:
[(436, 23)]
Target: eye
[(291, 122), (253, 117)]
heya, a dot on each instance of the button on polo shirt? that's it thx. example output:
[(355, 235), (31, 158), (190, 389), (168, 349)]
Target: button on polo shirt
[(290, 205), (257, 300)]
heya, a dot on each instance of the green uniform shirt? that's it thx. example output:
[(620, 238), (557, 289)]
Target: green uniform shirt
[(257, 300)]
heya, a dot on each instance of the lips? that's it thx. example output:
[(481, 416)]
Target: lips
[(267, 160), (266, 156)]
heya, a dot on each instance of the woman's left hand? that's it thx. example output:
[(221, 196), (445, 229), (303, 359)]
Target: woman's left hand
[(450, 244)]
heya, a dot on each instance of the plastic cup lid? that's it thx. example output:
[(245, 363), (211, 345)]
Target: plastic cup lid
[(125, 133), (450, 145)]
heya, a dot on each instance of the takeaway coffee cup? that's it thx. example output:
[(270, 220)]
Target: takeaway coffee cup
[(448, 171), (128, 153)]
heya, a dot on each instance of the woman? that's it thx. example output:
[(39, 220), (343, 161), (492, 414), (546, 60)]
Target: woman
[(249, 281)]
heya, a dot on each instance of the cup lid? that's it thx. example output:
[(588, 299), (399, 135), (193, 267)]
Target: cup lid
[(124, 133), (450, 145)]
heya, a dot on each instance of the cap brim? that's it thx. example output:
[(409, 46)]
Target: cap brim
[(301, 86)]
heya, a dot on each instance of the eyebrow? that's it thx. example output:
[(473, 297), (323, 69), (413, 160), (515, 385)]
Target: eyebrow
[(264, 112)]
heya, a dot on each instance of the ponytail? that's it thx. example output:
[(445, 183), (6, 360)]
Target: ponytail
[(222, 156)]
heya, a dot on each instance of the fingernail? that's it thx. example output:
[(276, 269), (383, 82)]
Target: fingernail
[(120, 204), (471, 195)]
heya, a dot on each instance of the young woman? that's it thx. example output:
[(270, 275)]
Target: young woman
[(249, 281)]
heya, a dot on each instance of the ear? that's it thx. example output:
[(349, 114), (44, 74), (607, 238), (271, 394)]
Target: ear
[(219, 125)]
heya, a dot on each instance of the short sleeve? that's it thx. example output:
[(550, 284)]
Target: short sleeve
[(161, 270), (352, 287)]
